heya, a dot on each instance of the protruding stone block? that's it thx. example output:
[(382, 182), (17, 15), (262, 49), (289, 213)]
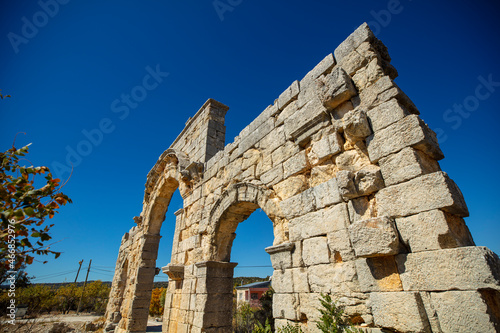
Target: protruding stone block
[(312, 113), (281, 255), (467, 311), (288, 95), (399, 311), (335, 88), (433, 230), (374, 237), (428, 192), (386, 114), (410, 131), (360, 35), (324, 66), (360, 183), (405, 165), (463, 268), (356, 124)]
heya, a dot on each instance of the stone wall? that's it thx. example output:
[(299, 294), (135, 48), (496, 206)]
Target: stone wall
[(348, 174)]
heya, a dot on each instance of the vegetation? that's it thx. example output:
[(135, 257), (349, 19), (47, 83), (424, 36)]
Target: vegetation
[(332, 318), (24, 207), (44, 299), (157, 302)]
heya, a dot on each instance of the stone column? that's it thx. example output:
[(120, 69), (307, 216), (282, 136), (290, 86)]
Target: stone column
[(214, 296)]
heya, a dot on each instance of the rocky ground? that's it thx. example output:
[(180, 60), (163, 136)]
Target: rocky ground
[(63, 324)]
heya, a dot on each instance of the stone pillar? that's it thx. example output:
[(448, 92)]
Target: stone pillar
[(214, 296)]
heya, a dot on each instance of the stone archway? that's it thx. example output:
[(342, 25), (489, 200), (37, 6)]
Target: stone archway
[(349, 174)]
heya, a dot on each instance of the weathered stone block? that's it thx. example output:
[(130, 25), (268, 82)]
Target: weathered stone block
[(298, 205), (281, 255), (362, 208), (273, 176), (399, 311), (255, 136), (360, 35), (315, 251), (326, 147), (378, 274), (344, 274), (405, 165), (321, 68), (320, 222), (291, 186), (327, 194), (463, 268), (374, 237), (362, 182), (340, 246), (335, 88), (288, 95), (427, 192), (386, 114), (410, 131), (282, 281), (356, 124), (466, 311), (312, 113), (433, 230), (285, 305), (295, 164)]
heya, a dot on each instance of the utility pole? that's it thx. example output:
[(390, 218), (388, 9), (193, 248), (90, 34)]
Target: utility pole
[(84, 284), (80, 262)]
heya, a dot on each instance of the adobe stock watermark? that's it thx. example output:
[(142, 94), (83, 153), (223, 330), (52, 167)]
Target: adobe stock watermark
[(121, 107), (383, 17), (30, 27), (454, 116), (223, 6), (11, 279)]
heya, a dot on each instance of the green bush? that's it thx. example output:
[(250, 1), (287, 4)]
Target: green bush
[(332, 318)]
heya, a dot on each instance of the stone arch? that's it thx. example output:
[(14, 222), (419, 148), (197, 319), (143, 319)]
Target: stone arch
[(235, 205)]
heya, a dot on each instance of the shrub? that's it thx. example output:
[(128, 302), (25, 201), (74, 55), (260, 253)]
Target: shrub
[(332, 318)]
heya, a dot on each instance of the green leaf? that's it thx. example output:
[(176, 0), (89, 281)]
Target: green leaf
[(29, 211)]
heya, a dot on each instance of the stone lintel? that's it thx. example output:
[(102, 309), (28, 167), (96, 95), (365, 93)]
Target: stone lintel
[(179, 211), (216, 264), (280, 248)]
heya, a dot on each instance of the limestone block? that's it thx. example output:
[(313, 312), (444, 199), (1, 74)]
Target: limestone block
[(250, 158), (298, 205), (281, 255), (405, 165), (255, 136), (410, 131), (309, 305), (360, 183), (287, 112), (291, 186), (272, 176), (315, 251), (284, 152), (273, 140), (335, 88), (285, 305), (466, 311), (340, 246), (463, 268), (321, 68), (325, 148), (374, 237), (312, 113), (344, 274), (362, 208), (327, 194), (427, 192), (320, 222), (354, 159), (282, 281), (295, 164), (360, 35), (399, 311), (300, 281), (386, 114), (356, 124), (378, 274), (433, 230), (352, 62), (288, 95), (322, 173)]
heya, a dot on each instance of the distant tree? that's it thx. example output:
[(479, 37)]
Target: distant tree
[(24, 207)]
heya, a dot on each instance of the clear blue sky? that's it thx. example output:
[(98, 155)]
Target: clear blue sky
[(68, 71)]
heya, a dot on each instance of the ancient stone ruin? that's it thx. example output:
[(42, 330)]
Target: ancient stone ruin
[(348, 174)]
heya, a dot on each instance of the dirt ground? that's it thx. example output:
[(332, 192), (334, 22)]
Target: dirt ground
[(63, 323)]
